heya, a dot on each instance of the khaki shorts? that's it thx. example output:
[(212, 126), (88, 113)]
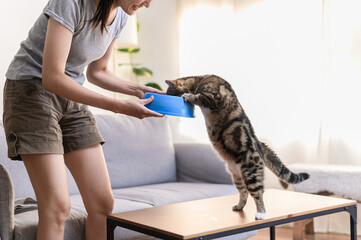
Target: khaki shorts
[(37, 121)]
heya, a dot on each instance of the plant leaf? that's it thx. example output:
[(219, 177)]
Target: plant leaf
[(154, 85), (135, 50), (143, 72), (125, 50), (128, 50)]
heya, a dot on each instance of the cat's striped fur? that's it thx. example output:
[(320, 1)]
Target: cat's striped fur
[(232, 135)]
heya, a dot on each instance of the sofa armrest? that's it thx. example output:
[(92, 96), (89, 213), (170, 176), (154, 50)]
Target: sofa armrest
[(6, 205), (200, 163)]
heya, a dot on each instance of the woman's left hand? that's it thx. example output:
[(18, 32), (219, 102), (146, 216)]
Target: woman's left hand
[(142, 89)]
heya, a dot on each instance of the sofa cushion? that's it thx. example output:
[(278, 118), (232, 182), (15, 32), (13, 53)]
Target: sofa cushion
[(26, 222), (137, 152), (175, 192), (200, 163), (120, 205)]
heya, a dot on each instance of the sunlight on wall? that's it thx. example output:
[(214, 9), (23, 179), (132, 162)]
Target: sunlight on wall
[(205, 41), (206, 35), (269, 55)]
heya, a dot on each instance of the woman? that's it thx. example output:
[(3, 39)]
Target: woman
[(46, 119)]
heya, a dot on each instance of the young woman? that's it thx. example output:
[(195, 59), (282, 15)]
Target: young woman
[(46, 119)]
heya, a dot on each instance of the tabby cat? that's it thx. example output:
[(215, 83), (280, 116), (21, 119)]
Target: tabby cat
[(232, 135)]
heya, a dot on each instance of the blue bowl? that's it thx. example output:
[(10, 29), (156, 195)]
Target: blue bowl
[(170, 105)]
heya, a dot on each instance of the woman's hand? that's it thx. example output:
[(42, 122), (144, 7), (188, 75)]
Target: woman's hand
[(136, 108), (142, 89)]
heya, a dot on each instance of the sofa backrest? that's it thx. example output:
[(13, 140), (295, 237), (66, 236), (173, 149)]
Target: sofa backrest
[(138, 152)]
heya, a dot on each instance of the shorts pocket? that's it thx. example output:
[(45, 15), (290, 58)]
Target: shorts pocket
[(17, 92), (25, 117), (27, 105)]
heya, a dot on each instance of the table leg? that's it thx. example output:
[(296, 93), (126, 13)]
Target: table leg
[(352, 210), (110, 230), (272, 231)]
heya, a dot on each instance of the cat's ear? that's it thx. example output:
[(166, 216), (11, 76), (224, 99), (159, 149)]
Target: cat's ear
[(170, 83)]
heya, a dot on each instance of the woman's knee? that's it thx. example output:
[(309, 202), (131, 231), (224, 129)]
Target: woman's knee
[(56, 210), (109, 204), (106, 204), (103, 205)]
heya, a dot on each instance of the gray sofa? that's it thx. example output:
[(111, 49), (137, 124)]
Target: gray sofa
[(146, 169)]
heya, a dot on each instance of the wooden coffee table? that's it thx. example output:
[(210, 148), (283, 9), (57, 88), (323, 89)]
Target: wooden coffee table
[(213, 217)]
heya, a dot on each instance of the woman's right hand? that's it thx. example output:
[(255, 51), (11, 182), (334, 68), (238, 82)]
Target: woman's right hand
[(136, 108)]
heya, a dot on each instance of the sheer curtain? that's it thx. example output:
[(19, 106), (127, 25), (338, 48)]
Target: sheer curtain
[(340, 140), (295, 66)]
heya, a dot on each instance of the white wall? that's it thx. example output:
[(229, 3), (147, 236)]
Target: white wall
[(158, 40), (16, 18), (157, 37)]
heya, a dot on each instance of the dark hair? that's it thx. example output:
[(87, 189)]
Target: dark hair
[(102, 14)]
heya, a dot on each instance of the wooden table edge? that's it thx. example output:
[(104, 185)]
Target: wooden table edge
[(257, 222), (270, 220)]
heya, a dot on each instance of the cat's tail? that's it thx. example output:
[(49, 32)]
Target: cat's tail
[(273, 162)]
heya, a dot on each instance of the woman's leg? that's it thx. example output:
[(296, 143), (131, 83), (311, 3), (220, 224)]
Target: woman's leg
[(90, 172), (48, 176)]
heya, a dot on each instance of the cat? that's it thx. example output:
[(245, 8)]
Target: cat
[(233, 137)]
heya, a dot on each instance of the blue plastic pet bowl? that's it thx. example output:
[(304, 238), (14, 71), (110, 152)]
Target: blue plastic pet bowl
[(170, 105)]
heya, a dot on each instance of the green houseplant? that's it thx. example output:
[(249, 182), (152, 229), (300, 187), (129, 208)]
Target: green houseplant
[(137, 69)]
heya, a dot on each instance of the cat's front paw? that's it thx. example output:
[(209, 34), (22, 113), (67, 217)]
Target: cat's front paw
[(188, 97), (237, 208), (260, 216)]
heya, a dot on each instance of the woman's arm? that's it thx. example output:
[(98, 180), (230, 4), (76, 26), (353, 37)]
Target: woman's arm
[(99, 74), (56, 50)]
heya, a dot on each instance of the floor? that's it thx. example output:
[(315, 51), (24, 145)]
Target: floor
[(285, 233)]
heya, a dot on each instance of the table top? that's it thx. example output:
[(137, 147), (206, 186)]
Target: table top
[(213, 215)]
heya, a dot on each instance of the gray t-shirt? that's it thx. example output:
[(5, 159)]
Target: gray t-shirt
[(87, 44)]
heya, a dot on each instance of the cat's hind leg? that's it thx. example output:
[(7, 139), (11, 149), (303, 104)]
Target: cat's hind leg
[(243, 195), (235, 170), (253, 175)]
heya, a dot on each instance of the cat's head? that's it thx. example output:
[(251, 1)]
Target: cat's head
[(183, 85)]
